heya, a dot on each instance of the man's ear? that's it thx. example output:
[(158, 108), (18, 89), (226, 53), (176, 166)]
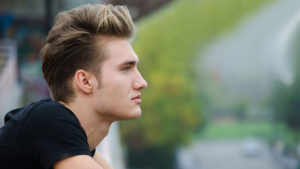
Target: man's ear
[(83, 81)]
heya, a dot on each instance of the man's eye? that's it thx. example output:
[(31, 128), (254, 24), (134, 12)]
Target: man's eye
[(125, 68)]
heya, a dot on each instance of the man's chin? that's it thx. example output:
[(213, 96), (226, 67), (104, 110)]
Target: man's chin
[(138, 116), (134, 115)]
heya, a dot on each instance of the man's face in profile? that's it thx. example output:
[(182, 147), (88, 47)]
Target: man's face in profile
[(119, 94)]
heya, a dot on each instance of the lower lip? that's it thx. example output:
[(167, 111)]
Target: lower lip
[(138, 101)]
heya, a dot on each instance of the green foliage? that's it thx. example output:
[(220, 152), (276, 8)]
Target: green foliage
[(286, 98), (286, 105), (237, 130), (167, 43), (153, 157)]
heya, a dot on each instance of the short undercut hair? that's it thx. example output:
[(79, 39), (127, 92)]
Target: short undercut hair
[(74, 42)]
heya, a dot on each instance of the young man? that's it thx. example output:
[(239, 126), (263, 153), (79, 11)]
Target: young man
[(91, 72)]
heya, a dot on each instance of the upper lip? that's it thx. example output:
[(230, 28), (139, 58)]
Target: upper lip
[(137, 97)]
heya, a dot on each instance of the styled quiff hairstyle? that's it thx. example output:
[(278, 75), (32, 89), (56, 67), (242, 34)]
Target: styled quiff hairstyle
[(75, 42)]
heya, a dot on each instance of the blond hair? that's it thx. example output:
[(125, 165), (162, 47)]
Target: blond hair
[(74, 42)]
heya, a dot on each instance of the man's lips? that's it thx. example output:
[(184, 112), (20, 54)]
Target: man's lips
[(137, 99)]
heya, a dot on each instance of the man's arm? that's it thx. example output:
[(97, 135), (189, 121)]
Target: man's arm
[(83, 161), (100, 160), (78, 162)]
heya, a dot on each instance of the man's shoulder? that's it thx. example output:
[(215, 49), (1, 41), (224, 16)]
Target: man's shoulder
[(46, 105), (43, 117), (43, 110), (47, 109)]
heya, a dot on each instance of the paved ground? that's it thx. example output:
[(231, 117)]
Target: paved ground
[(226, 154)]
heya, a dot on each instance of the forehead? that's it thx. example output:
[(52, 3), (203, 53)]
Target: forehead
[(118, 50)]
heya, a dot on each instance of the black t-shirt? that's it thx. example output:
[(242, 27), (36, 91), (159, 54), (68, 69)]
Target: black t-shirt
[(38, 135)]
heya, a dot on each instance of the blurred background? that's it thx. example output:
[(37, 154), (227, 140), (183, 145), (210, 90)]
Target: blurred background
[(224, 82)]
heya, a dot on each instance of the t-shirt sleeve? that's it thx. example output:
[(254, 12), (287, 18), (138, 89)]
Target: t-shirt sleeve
[(52, 133)]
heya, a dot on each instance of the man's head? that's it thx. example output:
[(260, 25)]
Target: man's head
[(75, 42)]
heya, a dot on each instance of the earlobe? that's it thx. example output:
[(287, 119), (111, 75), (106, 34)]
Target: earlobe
[(83, 81)]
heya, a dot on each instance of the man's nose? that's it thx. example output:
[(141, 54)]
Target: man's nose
[(140, 83)]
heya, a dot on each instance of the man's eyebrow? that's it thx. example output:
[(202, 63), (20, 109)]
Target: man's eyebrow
[(129, 62)]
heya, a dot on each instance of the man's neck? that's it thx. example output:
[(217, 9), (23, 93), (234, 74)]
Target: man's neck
[(95, 127)]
